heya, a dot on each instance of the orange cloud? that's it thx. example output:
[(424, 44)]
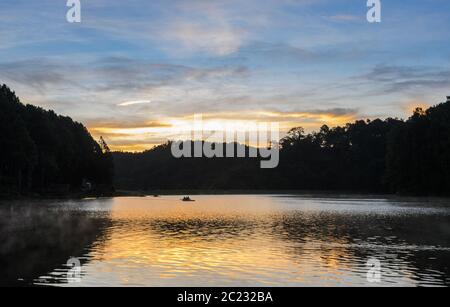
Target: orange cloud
[(144, 136)]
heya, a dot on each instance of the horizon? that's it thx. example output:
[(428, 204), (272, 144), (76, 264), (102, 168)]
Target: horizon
[(249, 142), (133, 73), (224, 151)]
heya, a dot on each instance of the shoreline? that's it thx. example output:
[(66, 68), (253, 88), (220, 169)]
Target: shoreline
[(300, 193)]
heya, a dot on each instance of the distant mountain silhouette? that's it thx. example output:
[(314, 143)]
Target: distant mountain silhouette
[(382, 156), (46, 154)]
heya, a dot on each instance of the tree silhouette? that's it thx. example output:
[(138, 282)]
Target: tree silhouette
[(382, 156), (41, 152)]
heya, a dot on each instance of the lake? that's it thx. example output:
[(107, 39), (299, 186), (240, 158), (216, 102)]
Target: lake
[(241, 240)]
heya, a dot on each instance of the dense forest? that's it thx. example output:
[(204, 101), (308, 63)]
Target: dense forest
[(42, 153), (382, 156)]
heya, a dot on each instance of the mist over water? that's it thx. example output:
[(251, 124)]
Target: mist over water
[(226, 241)]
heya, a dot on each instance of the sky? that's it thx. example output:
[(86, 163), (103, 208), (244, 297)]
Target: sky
[(135, 71)]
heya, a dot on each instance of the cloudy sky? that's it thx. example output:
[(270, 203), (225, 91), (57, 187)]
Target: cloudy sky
[(133, 70)]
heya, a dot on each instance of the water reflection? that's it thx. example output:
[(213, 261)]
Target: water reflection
[(227, 241), (37, 238), (406, 245)]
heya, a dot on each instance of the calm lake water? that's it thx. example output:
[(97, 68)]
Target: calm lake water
[(226, 241)]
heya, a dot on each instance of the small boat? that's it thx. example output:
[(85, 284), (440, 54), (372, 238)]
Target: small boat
[(187, 198), (156, 195)]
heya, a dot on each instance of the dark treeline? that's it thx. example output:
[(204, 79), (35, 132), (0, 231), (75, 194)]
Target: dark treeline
[(157, 169), (382, 156), (43, 153)]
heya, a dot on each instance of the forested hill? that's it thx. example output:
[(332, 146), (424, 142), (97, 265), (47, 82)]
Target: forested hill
[(385, 156), (43, 153)]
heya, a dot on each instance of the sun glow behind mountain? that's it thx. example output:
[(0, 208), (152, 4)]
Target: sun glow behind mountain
[(147, 135), (133, 72)]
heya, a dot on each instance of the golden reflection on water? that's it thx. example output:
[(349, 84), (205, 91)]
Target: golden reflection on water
[(242, 241), (227, 240)]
